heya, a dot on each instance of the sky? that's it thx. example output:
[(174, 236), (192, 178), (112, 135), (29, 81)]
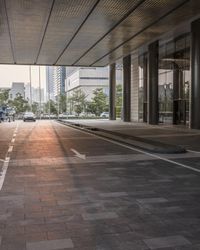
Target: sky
[(19, 73)]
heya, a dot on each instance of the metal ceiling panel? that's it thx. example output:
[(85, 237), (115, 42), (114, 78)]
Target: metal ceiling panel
[(27, 21), (104, 17), (145, 15), (184, 13), (65, 20), (5, 45)]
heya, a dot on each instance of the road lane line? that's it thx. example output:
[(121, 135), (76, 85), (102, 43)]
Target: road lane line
[(192, 151), (7, 160), (139, 150), (10, 149)]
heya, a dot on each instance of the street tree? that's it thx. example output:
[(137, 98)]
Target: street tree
[(50, 107), (35, 107), (99, 102), (78, 101), (62, 103), (20, 104), (118, 102), (4, 96)]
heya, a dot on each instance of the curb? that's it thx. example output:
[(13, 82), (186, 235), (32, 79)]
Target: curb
[(137, 142)]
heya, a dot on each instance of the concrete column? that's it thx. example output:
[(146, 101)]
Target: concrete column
[(112, 94), (153, 83), (195, 75), (134, 89), (175, 92), (145, 88), (127, 89)]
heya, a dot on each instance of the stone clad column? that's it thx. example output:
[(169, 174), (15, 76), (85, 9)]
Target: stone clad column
[(145, 99), (195, 75), (112, 92), (153, 83), (127, 89)]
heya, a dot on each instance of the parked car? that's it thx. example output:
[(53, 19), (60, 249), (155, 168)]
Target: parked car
[(104, 115), (29, 116)]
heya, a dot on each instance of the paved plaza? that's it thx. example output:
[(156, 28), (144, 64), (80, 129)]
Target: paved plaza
[(67, 189)]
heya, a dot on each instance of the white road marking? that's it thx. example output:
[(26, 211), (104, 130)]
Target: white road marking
[(7, 159), (10, 149), (77, 154), (3, 173), (141, 151), (192, 151)]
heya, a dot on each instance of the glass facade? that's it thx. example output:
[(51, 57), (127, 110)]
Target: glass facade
[(142, 90), (173, 82)]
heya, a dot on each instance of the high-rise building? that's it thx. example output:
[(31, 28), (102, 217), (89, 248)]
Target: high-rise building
[(59, 75), (49, 83), (17, 88), (33, 94), (55, 81)]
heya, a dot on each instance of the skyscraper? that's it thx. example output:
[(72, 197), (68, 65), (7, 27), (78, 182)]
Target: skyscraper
[(50, 83)]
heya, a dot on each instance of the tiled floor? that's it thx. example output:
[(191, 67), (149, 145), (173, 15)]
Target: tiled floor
[(115, 199)]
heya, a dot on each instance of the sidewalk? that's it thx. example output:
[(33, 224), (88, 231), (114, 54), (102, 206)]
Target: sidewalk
[(159, 136)]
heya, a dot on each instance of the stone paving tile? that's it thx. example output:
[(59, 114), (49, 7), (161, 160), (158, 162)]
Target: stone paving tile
[(52, 193), (152, 200), (113, 194), (50, 244), (99, 216), (163, 242)]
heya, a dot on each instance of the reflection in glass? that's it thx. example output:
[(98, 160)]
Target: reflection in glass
[(174, 81)]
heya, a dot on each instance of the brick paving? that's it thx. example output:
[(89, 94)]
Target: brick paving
[(123, 200)]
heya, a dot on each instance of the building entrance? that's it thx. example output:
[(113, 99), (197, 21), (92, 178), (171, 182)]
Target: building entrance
[(174, 81)]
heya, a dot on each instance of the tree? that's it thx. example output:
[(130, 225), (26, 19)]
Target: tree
[(35, 107), (62, 103), (50, 107), (78, 101), (20, 104), (118, 100), (4, 96), (99, 102)]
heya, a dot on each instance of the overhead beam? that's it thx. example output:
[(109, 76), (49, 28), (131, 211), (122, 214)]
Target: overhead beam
[(65, 48), (44, 33), (138, 33)]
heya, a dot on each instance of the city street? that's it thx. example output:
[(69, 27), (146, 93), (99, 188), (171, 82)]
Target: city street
[(64, 188)]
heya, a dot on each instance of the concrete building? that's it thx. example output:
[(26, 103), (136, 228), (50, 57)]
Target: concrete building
[(87, 79), (49, 83), (59, 75), (17, 88), (33, 94), (55, 81), (157, 42)]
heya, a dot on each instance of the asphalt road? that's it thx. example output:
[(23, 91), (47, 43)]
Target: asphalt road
[(65, 189)]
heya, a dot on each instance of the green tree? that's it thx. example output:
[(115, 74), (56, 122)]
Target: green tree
[(35, 107), (62, 103), (99, 102), (4, 96), (20, 104), (118, 102), (50, 107), (78, 101)]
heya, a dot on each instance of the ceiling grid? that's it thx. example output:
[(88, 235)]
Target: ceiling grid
[(84, 32)]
